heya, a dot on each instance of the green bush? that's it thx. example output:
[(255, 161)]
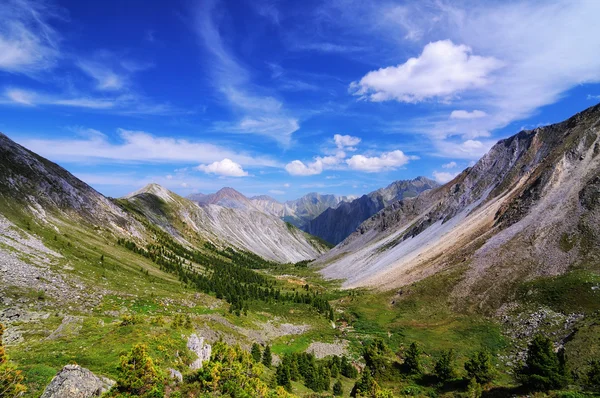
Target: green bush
[(338, 390), (10, 377), (138, 376), (593, 376)]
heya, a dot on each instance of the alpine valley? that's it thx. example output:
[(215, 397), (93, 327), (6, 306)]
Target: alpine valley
[(430, 290)]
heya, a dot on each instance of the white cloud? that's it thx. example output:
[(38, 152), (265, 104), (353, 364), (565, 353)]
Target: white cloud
[(451, 165), (287, 185), (261, 113), (298, 168), (105, 77), (138, 146), (121, 104), (386, 161), (469, 149), (346, 141), (28, 43), (276, 192), (462, 114), (442, 70), (593, 97), (443, 176), (30, 98), (225, 167)]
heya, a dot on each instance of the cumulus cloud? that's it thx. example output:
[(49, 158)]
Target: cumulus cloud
[(442, 70), (299, 168), (443, 176), (225, 167), (386, 161), (462, 114), (451, 165), (346, 141)]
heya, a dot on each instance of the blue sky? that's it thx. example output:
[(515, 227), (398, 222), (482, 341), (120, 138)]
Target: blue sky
[(287, 97)]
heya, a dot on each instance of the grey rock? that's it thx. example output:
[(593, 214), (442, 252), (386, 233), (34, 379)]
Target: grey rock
[(203, 351), (175, 374), (73, 381)]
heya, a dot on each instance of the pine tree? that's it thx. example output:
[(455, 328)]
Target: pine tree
[(479, 367), (412, 361), (338, 390), (255, 352), (543, 369), (282, 375), (366, 386), (267, 358), (444, 367)]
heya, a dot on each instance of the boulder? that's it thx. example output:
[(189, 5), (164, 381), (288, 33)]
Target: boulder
[(73, 381), (203, 351), (175, 374)]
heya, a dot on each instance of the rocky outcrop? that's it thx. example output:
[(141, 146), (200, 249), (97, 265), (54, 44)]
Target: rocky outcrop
[(73, 381), (336, 224), (203, 351)]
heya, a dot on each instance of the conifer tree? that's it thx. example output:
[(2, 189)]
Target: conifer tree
[(479, 367), (444, 367), (412, 361), (255, 352), (267, 358), (543, 369)]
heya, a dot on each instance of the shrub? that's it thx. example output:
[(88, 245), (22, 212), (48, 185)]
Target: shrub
[(543, 369), (10, 377), (479, 367), (130, 320), (138, 376), (338, 390), (593, 376)]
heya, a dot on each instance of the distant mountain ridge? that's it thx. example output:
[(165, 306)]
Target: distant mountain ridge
[(335, 224), (297, 212)]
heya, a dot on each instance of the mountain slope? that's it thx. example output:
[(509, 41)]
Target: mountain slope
[(32, 186), (529, 207), (51, 193), (335, 224), (248, 229)]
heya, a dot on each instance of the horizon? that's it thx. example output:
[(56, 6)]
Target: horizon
[(280, 99)]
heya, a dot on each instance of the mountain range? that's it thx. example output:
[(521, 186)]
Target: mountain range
[(297, 212), (529, 208), (30, 184)]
